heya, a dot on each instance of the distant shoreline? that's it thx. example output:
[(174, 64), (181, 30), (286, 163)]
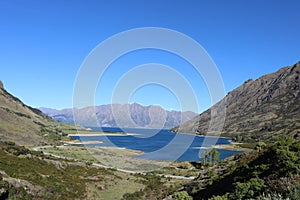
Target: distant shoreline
[(102, 134), (232, 146), (194, 134)]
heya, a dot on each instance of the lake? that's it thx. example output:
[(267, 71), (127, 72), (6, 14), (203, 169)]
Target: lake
[(160, 144)]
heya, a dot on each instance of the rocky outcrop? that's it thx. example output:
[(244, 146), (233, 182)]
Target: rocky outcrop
[(265, 108)]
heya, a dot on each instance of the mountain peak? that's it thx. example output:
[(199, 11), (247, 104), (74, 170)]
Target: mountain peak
[(1, 84)]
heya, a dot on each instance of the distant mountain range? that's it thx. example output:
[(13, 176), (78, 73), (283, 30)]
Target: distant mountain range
[(122, 115), (261, 109)]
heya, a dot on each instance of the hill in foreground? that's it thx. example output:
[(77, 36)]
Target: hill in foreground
[(25, 125), (270, 173), (261, 109)]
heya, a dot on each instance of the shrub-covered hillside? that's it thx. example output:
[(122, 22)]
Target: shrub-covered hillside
[(274, 172)]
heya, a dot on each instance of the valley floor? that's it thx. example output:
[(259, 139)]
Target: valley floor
[(71, 173)]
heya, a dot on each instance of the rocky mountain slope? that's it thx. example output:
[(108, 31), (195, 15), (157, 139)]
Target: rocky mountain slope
[(265, 108), (122, 115), (25, 125)]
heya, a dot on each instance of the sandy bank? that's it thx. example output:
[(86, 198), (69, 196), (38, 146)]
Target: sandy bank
[(233, 147), (82, 143)]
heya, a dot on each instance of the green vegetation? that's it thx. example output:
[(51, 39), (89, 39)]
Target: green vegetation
[(268, 172), (32, 175), (185, 169), (64, 183), (156, 187), (12, 148), (183, 195), (114, 187)]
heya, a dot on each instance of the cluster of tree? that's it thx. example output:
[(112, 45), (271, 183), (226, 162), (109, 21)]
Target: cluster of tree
[(210, 156)]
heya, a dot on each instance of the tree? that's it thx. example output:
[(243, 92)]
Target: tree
[(210, 156), (204, 157), (215, 155)]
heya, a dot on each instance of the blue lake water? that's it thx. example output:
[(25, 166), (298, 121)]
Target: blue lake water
[(160, 144)]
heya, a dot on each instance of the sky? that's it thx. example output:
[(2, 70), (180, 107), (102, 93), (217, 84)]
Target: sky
[(43, 44)]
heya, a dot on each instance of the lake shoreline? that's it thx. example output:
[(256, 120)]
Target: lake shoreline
[(152, 143), (232, 146)]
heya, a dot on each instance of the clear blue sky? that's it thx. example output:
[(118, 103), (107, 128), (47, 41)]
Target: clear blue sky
[(44, 42)]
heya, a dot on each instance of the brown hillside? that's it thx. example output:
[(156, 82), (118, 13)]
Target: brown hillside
[(262, 109)]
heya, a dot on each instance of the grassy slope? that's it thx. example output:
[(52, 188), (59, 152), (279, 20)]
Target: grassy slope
[(25, 125)]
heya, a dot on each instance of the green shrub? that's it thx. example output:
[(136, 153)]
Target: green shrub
[(249, 189), (183, 195)]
